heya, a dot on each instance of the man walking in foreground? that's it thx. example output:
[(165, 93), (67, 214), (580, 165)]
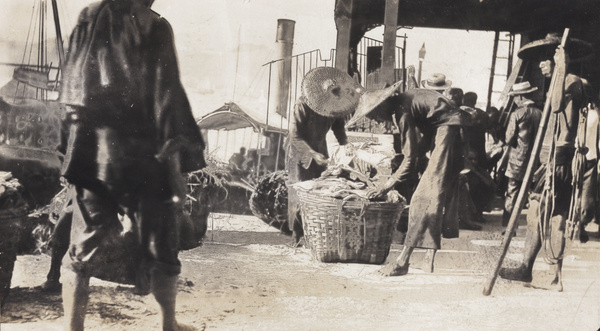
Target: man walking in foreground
[(131, 135)]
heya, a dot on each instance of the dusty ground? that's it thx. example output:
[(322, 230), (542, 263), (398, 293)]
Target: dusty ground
[(247, 277)]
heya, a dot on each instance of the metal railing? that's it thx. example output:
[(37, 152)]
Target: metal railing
[(304, 62)]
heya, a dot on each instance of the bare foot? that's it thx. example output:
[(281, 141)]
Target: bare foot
[(51, 287), (184, 327), (393, 269), (556, 284), (557, 287), (428, 261), (520, 274)]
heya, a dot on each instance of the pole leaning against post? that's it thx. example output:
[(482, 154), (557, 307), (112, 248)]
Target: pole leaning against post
[(512, 223)]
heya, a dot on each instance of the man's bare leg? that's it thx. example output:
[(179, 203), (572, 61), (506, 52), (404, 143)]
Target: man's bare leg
[(75, 293), (164, 288), (533, 244), (400, 266), (558, 231), (429, 259)]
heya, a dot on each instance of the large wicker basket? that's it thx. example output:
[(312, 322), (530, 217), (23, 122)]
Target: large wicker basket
[(355, 231)]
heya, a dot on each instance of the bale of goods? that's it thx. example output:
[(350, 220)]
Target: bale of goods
[(343, 221), (269, 201), (13, 210)]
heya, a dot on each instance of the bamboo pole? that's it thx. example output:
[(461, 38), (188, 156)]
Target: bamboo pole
[(512, 223)]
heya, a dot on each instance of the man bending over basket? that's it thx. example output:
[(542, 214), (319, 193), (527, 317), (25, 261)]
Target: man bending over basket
[(433, 212)]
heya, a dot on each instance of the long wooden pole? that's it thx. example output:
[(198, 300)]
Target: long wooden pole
[(512, 223), (493, 69)]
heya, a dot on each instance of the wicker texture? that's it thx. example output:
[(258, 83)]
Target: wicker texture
[(357, 231)]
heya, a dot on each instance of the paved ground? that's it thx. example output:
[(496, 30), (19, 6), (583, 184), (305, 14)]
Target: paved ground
[(248, 277)]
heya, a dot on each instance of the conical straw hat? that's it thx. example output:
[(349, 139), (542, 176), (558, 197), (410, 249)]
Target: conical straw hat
[(543, 49), (370, 100), (331, 92)]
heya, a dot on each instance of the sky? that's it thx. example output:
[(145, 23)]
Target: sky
[(223, 44)]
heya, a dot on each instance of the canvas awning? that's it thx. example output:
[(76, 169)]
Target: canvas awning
[(231, 117)]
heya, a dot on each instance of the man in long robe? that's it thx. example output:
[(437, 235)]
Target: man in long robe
[(432, 211)]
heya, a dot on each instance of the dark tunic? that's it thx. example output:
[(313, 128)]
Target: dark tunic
[(431, 211), (307, 136), (520, 135), (126, 105), (405, 145), (558, 146)]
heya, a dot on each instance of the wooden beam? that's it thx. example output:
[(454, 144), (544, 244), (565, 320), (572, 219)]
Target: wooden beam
[(343, 22), (388, 62)]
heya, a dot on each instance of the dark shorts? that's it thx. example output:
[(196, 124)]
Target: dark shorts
[(101, 246)]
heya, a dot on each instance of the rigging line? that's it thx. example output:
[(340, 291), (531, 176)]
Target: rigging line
[(28, 33), (237, 62), (44, 52), (35, 22), (270, 53), (40, 34), (67, 19)]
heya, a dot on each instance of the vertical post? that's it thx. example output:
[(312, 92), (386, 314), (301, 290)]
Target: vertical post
[(389, 42), (343, 22), (404, 77), (493, 69), (285, 41)]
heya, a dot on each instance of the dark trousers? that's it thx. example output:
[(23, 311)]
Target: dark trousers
[(512, 190)]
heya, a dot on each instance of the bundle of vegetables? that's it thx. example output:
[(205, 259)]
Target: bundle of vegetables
[(44, 220), (206, 188), (269, 201)]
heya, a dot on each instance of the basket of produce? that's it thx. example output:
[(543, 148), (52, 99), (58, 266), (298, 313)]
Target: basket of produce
[(341, 224)]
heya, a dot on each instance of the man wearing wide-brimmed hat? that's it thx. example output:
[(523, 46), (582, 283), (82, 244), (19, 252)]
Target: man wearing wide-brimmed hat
[(432, 211), (437, 82), (550, 201), (520, 135), (328, 95)]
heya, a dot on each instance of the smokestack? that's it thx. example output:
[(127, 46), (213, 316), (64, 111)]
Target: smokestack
[(285, 43)]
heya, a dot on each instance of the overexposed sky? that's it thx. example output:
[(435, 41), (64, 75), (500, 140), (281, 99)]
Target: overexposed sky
[(222, 44)]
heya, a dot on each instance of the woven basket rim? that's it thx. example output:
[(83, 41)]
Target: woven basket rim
[(350, 203)]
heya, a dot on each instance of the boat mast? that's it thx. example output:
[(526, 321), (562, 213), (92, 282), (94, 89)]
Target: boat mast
[(59, 40)]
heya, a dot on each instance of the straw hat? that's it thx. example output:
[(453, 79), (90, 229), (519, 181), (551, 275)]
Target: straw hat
[(543, 49), (522, 88), (436, 82), (370, 100), (331, 92)]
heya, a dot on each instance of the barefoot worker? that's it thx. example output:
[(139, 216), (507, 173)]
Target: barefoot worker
[(431, 213), (549, 205), (126, 110)]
